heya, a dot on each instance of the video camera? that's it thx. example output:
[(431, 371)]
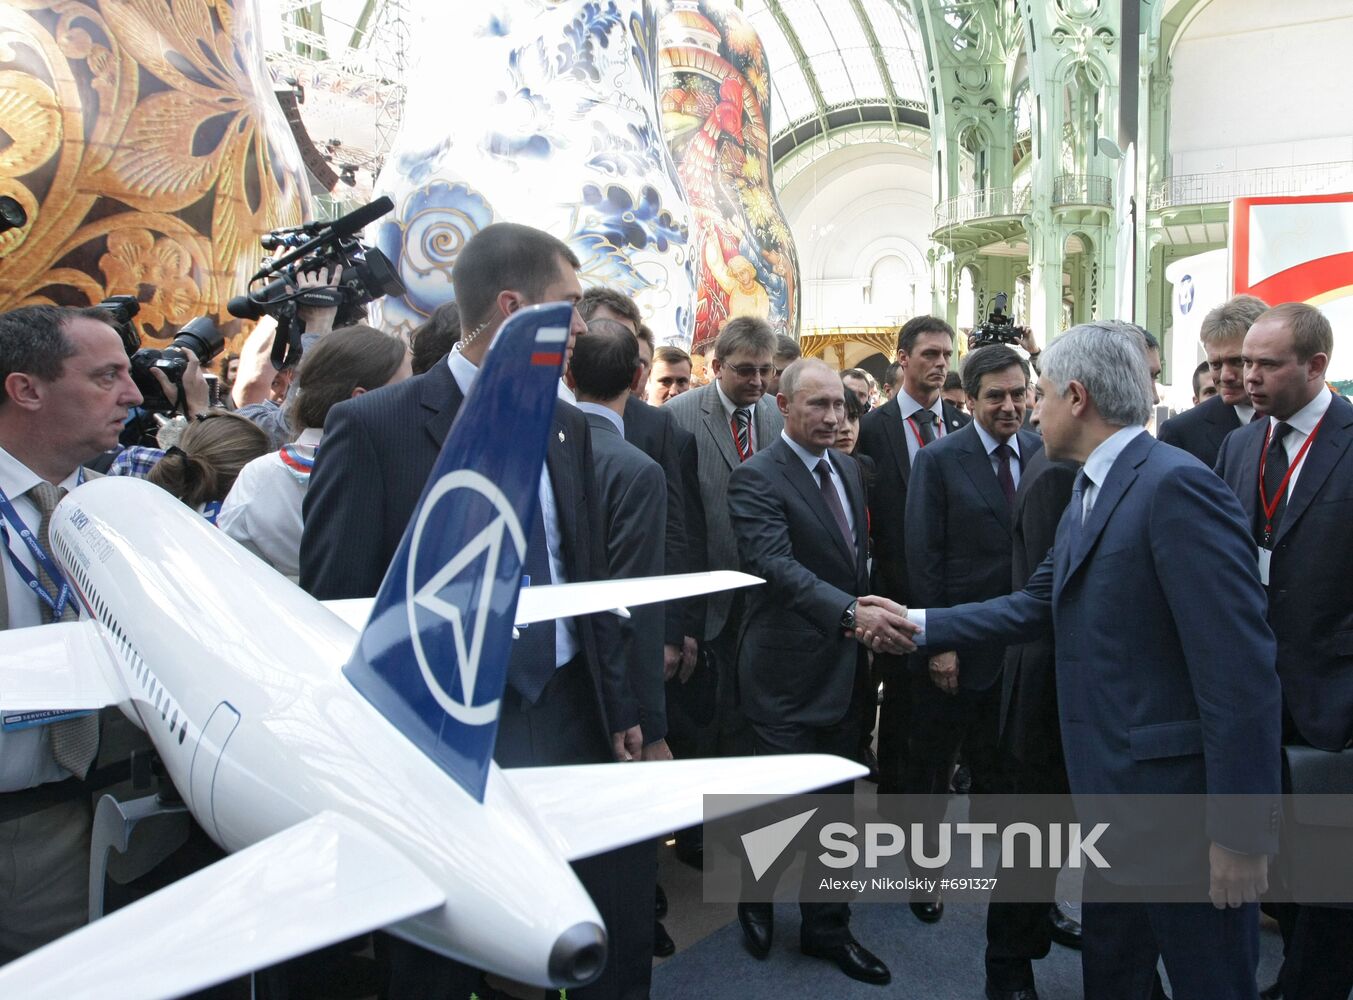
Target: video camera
[(999, 328), (365, 274)]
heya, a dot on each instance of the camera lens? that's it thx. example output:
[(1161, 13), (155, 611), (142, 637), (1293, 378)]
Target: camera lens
[(202, 337)]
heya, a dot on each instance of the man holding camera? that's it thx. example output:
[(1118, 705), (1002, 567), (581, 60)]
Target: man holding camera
[(67, 390)]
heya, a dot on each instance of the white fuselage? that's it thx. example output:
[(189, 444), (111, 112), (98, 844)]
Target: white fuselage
[(259, 729)]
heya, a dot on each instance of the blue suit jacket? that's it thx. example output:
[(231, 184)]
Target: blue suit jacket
[(1165, 663)]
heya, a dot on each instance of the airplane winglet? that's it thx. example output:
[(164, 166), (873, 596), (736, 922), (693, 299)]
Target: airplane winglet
[(433, 656)]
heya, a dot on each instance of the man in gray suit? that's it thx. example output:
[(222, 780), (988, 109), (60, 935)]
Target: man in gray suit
[(731, 420), (65, 391)]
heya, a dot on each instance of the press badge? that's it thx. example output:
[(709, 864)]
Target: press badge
[(12, 722), (1265, 557)]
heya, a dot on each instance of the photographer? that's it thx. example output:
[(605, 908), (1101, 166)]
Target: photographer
[(138, 459), (256, 373)]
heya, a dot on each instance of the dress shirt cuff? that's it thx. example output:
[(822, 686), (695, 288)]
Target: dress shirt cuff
[(917, 617)]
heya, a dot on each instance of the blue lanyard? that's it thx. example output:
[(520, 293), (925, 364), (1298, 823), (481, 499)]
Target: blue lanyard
[(45, 562)]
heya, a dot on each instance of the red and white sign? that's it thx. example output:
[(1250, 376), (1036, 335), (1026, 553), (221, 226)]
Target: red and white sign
[(1298, 249)]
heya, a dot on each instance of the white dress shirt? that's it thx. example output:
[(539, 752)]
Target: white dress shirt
[(25, 754), (909, 407), (810, 460), (1303, 422), (262, 511), (565, 634), (1100, 461), (1245, 412), (991, 444)]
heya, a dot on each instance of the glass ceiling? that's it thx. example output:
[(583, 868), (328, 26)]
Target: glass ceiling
[(843, 68)]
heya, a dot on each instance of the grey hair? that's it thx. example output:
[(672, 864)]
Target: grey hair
[(796, 370), (1109, 359)]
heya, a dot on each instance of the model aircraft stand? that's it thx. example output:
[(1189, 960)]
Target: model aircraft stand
[(116, 825)]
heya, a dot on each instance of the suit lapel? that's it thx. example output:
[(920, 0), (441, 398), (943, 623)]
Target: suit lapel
[(977, 464), (1222, 420), (440, 394), (1121, 476), (1247, 476), (558, 460), (719, 427), (953, 420), (807, 486), (896, 432), (853, 477), (1329, 446)]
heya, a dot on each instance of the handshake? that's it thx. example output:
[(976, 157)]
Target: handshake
[(882, 625)]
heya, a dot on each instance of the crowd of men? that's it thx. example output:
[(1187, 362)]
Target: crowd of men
[(1003, 570)]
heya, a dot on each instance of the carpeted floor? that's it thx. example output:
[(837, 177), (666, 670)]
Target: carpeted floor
[(934, 962)]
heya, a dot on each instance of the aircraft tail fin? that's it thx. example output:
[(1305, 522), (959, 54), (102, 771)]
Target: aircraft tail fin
[(433, 655)]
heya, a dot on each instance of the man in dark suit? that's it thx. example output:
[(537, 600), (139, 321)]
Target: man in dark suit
[(605, 364), (378, 451), (892, 436), (1149, 701), (958, 528), (798, 512), (1304, 549), (1201, 430), (731, 419)]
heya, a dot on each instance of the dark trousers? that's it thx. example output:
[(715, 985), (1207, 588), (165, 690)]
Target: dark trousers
[(563, 727), (732, 735), (941, 724), (1317, 952), (1209, 954), (822, 925), (894, 723), (1018, 934)]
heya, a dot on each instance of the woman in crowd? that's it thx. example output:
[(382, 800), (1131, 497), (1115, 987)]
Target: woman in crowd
[(202, 467), (263, 511)]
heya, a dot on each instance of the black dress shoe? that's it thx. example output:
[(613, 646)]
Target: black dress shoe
[(1066, 930), (1028, 993), (659, 903), (928, 911), (1274, 992), (758, 927), (855, 960), (663, 945)]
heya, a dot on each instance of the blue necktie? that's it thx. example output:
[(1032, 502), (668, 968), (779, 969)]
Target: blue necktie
[(532, 662)]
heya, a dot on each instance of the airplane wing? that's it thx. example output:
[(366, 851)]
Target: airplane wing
[(60, 667), (322, 881), (591, 808), (538, 604)]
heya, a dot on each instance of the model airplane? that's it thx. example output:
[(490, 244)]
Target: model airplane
[(351, 775)]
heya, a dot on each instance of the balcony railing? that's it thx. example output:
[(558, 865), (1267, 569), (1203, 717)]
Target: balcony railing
[(986, 204), (1223, 185), (1082, 189)]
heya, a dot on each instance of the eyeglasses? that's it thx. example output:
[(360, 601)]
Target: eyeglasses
[(748, 371)]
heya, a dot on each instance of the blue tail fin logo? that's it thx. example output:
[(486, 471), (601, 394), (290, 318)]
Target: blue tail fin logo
[(433, 657)]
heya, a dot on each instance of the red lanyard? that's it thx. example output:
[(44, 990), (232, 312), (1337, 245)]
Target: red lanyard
[(920, 442), (1272, 508)]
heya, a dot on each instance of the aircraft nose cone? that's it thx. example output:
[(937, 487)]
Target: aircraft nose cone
[(578, 955)]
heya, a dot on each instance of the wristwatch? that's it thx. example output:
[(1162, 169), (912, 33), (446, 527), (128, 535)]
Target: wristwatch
[(848, 616)]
